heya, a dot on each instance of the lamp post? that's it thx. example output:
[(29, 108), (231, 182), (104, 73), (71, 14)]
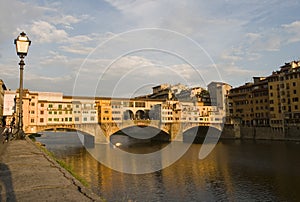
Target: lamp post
[(22, 43)]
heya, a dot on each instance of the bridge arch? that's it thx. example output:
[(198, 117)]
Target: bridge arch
[(142, 133), (197, 134)]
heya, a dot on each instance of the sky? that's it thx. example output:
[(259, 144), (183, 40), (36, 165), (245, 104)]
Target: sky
[(122, 48)]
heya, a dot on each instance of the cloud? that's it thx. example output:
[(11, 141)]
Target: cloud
[(236, 75), (76, 49), (15, 15), (293, 29), (44, 32), (239, 36), (66, 20)]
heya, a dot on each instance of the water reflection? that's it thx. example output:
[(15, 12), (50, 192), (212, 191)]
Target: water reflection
[(234, 171)]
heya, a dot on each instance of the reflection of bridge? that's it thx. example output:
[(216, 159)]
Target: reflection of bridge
[(103, 131)]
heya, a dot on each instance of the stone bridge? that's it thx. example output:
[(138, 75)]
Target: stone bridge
[(103, 131)]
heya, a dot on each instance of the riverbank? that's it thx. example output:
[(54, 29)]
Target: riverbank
[(231, 131), (28, 174)]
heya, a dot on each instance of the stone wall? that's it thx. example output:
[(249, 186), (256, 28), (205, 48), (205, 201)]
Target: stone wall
[(293, 132), (229, 132), (260, 133)]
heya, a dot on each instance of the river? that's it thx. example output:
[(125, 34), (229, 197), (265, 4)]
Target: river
[(234, 171)]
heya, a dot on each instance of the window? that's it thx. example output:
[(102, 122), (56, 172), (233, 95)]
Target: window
[(42, 105), (60, 112), (70, 119), (59, 106), (271, 87), (42, 120), (294, 83), (50, 119), (33, 104), (85, 119), (50, 112), (76, 118), (55, 112), (31, 120), (50, 105), (140, 104), (66, 119), (296, 107), (32, 112), (42, 112), (295, 92)]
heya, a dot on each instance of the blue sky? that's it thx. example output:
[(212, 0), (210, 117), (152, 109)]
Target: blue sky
[(123, 48)]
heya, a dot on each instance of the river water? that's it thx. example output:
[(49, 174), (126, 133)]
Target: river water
[(234, 171)]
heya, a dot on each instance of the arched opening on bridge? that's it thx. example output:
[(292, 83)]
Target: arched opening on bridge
[(128, 115), (198, 134), (131, 138), (140, 115), (70, 137)]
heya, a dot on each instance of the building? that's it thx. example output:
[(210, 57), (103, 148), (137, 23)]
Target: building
[(269, 101), (42, 110), (118, 110), (284, 95), (250, 103), (84, 109), (2, 89), (219, 92), (50, 108)]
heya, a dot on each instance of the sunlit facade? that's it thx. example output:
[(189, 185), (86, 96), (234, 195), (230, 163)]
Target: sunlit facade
[(269, 101)]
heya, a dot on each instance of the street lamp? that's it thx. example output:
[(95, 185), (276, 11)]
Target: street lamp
[(22, 43)]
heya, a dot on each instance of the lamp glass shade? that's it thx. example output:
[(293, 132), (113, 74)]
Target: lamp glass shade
[(22, 44)]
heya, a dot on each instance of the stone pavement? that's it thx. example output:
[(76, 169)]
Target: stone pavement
[(28, 174)]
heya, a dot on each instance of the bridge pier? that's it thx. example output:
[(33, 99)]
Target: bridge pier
[(176, 132)]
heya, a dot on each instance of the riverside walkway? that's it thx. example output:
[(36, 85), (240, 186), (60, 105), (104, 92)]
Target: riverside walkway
[(28, 174)]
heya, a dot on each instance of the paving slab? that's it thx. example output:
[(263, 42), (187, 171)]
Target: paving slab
[(28, 174)]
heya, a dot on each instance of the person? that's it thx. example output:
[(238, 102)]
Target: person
[(5, 134)]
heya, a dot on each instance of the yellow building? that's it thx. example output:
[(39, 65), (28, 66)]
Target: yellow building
[(241, 104), (271, 101), (284, 95)]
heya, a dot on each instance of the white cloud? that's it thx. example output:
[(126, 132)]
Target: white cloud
[(230, 56), (76, 49), (44, 32), (238, 35), (293, 29), (66, 20)]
